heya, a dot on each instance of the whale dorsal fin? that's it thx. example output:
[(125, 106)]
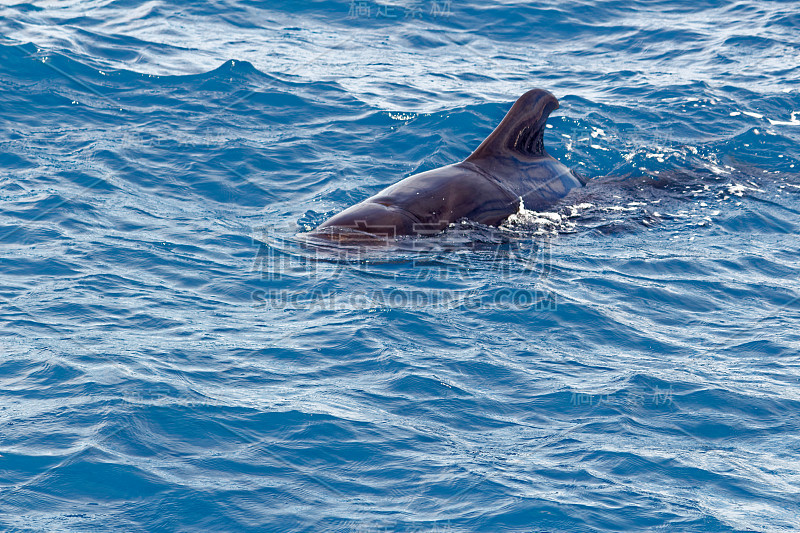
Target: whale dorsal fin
[(521, 133)]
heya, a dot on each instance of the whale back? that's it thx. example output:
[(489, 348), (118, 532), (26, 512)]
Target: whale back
[(521, 132), (508, 168)]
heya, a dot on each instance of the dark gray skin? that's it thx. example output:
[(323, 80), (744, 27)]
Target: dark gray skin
[(511, 164)]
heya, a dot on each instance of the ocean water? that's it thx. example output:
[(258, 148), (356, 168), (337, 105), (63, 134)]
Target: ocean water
[(176, 358)]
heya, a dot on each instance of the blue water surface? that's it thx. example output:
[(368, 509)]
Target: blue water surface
[(176, 358)]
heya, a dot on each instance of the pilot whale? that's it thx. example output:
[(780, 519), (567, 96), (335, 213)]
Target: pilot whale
[(510, 166)]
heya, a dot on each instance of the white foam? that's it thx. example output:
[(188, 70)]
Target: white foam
[(793, 121), (546, 222), (739, 190)]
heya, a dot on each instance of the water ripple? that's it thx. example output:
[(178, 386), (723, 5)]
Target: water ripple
[(176, 356)]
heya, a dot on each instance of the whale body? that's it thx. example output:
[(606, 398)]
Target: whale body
[(510, 166)]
